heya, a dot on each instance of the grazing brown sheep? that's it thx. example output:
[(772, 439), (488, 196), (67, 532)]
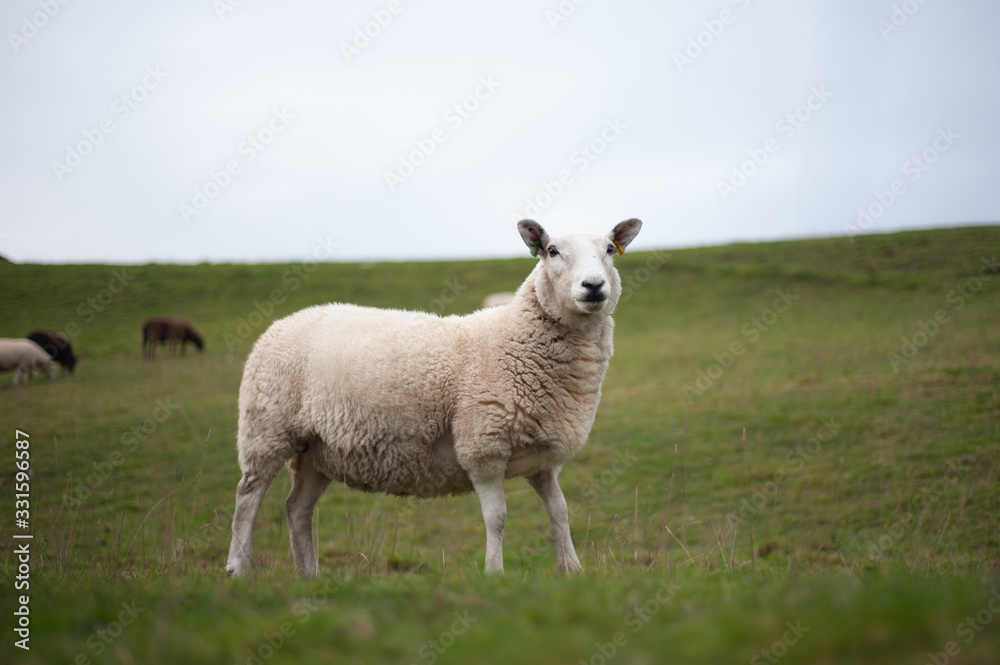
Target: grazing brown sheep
[(174, 330), (57, 345)]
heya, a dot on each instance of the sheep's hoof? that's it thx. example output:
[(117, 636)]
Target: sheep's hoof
[(235, 570), (570, 568)]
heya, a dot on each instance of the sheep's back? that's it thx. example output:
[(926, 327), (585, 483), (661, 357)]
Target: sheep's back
[(391, 366), (24, 353)]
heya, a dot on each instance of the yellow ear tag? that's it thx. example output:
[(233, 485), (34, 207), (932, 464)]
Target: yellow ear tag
[(620, 250)]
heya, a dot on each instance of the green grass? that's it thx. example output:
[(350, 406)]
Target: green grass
[(862, 503)]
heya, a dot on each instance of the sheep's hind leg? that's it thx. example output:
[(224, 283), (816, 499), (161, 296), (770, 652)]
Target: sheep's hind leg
[(308, 485), (249, 495), (545, 484)]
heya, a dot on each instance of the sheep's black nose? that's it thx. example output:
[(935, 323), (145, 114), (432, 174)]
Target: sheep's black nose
[(594, 292)]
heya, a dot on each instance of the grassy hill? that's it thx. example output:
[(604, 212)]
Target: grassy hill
[(796, 457)]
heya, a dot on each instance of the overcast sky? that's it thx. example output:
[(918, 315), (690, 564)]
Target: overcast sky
[(262, 131)]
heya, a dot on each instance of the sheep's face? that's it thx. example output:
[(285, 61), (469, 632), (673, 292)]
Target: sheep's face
[(578, 269), (581, 268)]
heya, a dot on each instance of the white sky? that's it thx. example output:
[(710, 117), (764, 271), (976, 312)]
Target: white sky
[(198, 81)]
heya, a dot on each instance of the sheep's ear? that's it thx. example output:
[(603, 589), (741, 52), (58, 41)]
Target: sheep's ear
[(533, 234), (624, 232)]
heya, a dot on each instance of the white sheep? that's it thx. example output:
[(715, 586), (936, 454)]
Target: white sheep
[(410, 403), (24, 356)]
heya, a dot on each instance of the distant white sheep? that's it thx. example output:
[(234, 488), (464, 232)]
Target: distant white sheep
[(498, 300), (410, 403), (24, 356)]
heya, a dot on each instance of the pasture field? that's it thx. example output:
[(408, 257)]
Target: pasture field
[(796, 460)]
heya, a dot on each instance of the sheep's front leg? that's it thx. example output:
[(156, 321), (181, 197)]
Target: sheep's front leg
[(494, 504), (545, 484)]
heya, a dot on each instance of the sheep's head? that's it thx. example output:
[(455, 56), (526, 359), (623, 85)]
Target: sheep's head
[(578, 283)]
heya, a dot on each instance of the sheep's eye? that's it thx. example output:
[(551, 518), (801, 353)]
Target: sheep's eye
[(611, 250), (553, 251)]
